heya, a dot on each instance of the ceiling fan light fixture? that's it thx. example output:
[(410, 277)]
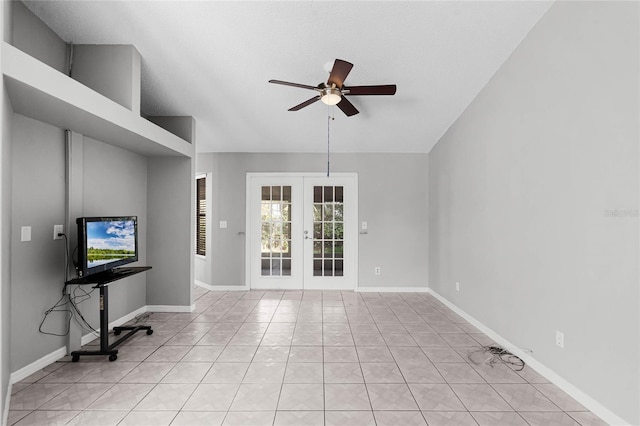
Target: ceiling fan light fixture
[(331, 96)]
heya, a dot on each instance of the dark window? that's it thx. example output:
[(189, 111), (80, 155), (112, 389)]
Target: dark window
[(201, 216)]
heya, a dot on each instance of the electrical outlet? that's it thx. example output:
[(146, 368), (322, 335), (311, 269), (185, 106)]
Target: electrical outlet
[(457, 286), (560, 339), (377, 270), (57, 230), (25, 233)]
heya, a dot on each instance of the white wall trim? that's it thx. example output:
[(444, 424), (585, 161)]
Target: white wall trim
[(37, 365), (49, 359), (7, 401), (587, 401), (89, 337), (171, 308), (221, 287), (362, 289)]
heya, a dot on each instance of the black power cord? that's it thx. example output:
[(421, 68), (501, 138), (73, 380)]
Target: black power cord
[(497, 355), (70, 306)]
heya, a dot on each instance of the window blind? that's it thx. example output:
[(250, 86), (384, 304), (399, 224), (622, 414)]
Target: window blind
[(201, 216)]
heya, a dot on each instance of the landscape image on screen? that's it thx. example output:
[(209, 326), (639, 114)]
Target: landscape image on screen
[(110, 241)]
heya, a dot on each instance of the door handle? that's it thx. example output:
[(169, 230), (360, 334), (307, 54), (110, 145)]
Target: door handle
[(306, 235)]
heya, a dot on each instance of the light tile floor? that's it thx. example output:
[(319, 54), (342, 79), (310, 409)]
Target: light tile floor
[(296, 358)]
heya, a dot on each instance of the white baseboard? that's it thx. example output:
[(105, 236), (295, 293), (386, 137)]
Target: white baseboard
[(421, 289), (587, 401), (90, 337), (170, 308), (221, 287), (37, 365), (392, 289), (7, 402)]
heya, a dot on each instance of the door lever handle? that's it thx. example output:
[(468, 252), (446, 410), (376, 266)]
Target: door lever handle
[(306, 235)]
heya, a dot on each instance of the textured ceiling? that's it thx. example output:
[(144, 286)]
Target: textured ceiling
[(212, 60)]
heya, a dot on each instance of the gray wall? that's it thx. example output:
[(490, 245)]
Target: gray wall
[(39, 151), (115, 184), (29, 34), (111, 70), (5, 224), (392, 199), (37, 266), (524, 190), (171, 243)]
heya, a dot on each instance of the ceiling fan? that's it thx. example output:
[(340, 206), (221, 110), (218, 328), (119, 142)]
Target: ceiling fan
[(334, 92)]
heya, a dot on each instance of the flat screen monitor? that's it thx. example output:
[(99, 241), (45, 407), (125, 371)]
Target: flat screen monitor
[(105, 243)]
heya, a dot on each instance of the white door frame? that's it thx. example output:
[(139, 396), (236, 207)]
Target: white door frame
[(252, 175)]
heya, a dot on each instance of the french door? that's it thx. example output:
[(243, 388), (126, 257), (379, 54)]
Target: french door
[(302, 231)]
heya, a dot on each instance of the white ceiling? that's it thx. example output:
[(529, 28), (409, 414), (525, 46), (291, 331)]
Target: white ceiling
[(212, 60)]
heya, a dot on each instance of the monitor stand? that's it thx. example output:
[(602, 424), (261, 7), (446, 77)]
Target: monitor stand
[(101, 281)]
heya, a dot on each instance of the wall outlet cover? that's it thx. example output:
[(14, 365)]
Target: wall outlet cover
[(25, 233), (57, 229)]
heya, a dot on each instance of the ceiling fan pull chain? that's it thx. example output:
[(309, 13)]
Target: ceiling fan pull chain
[(328, 127)]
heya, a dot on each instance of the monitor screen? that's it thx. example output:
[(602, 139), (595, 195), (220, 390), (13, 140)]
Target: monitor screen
[(105, 243)]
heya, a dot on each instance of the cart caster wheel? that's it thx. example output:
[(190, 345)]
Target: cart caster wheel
[(113, 357), (75, 358), (117, 332), (149, 332)]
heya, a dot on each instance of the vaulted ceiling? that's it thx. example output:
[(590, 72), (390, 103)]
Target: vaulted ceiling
[(212, 60)]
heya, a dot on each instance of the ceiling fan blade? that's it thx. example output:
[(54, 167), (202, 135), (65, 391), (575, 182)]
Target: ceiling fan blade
[(305, 103), (387, 89), (286, 83), (339, 72), (347, 107)]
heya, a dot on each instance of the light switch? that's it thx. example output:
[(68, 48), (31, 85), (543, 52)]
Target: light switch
[(25, 233), (223, 224), (364, 226)]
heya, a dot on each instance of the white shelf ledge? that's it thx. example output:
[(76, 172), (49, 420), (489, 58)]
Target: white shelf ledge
[(45, 94)]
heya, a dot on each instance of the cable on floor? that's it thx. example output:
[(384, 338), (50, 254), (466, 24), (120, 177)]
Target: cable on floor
[(492, 355)]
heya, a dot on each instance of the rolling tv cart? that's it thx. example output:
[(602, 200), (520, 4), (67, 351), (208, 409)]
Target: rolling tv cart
[(102, 281)]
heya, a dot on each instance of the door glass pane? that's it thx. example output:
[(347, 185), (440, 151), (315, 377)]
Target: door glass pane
[(328, 212), (275, 223), (286, 267), (337, 211), (317, 212), (286, 193), (328, 231), (328, 193)]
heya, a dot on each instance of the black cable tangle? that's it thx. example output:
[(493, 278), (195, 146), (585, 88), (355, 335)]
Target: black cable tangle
[(77, 300), (54, 308), (77, 296), (497, 355)]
